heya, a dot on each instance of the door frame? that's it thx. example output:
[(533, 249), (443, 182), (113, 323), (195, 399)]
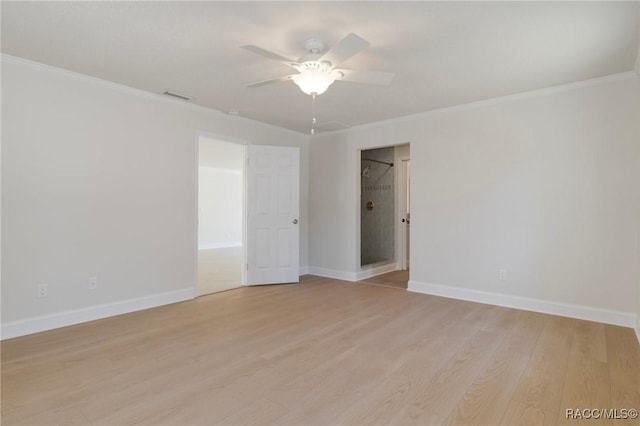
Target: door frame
[(200, 134), (404, 175), (366, 272)]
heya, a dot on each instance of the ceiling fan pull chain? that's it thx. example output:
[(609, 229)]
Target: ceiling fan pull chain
[(313, 114)]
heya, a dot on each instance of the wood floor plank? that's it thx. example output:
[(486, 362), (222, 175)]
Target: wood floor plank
[(260, 412), (590, 340), (495, 385), (397, 279), (624, 370), (444, 339), (320, 352), (368, 365), (437, 398), (251, 374), (367, 362), (586, 386), (587, 377), (536, 399)]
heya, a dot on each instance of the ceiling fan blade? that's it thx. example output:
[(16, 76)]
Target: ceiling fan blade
[(270, 81), (378, 78), (270, 55), (344, 49)]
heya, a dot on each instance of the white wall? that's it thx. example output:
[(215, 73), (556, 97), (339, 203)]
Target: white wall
[(333, 206), (219, 208), (544, 185), (220, 193), (99, 180)]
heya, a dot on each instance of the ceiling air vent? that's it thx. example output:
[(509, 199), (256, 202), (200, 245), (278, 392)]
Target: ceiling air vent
[(177, 96)]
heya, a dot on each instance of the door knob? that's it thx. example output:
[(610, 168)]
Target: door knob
[(295, 221)]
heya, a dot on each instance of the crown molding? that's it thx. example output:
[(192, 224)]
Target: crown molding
[(10, 59), (627, 75), (6, 58)]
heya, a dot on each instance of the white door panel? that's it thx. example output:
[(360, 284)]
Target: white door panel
[(272, 208)]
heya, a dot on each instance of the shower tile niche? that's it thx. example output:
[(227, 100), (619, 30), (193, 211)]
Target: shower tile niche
[(377, 206)]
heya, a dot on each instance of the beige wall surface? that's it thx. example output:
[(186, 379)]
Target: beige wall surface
[(544, 185), (99, 180)]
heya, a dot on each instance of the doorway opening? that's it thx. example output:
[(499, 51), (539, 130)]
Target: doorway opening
[(221, 213), (385, 215)]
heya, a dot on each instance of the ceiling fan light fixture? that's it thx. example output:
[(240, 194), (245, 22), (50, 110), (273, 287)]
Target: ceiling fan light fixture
[(313, 82)]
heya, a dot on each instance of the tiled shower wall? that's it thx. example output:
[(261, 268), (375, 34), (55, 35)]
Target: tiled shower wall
[(377, 225)]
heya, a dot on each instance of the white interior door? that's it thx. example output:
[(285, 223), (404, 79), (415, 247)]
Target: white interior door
[(272, 214)]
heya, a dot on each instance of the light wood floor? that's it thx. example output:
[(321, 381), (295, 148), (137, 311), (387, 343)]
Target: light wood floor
[(323, 352), (397, 279), (219, 269)]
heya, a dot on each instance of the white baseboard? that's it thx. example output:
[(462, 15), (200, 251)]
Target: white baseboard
[(62, 319), (303, 270), (375, 270), (637, 328), (351, 276), (625, 319), (332, 273)]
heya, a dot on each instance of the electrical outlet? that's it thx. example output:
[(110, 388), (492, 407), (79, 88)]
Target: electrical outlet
[(502, 274), (92, 283), (43, 290)]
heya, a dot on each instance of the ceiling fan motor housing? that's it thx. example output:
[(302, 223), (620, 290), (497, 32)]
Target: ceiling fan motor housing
[(313, 45)]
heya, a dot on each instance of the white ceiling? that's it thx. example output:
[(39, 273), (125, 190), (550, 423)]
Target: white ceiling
[(443, 53)]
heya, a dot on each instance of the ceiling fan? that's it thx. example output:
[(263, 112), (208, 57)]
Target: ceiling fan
[(317, 69)]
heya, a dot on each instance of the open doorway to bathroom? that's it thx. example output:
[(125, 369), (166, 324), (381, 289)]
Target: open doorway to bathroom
[(221, 189), (385, 215)]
